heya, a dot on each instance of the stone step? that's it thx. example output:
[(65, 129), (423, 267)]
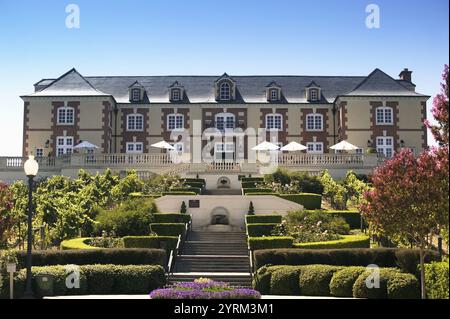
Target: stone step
[(235, 279), (191, 251)]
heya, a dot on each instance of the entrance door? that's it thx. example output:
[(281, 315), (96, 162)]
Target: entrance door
[(225, 152)]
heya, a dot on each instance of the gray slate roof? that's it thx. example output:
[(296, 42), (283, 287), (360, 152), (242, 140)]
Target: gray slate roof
[(200, 89)]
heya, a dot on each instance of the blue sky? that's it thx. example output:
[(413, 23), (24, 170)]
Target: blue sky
[(134, 37)]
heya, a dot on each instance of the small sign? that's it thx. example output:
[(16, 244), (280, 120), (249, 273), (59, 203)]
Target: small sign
[(11, 268), (194, 203)]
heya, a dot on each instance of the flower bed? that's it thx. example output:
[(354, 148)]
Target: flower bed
[(204, 289)]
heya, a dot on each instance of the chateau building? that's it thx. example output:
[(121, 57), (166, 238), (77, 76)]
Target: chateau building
[(127, 114)]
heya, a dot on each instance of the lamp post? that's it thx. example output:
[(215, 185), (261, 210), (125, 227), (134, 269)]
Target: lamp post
[(31, 168)]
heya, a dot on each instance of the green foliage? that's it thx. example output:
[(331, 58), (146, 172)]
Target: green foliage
[(249, 191), (436, 280), (194, 185), (117, 256), (179, 193), (77, 243), (355, 188), (347, 241), (263, 219), (383, 257), (201, 181), (197, 191), (132, 217), (284, 281), (351, 217), (306, 183), (183, 209), (168, 229), (171, 218), (150, 242), (251, 209), (335, 192), (7, 218), (130, 184), (280, 176), (315, 280), (259, 230), (341, 284), (270, 242), (251, 184), (309, 201), (403, 286), (252, 179)]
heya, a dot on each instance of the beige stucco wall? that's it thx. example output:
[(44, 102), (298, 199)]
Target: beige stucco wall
[(37, 139), (358, 114), (410, 114), (40, 114)]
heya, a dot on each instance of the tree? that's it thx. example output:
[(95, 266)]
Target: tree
[(251, 209), (440, 112), (6, 216), (183, 209), (409, 199)]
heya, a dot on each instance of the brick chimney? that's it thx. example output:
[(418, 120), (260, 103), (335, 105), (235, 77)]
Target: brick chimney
[(405, 75)]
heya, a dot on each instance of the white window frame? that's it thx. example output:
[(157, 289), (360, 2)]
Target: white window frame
[(271, 95), (225, 91), (132, 123), (314, 128), (39, 152), (359, 151), (383, 110), (172, 95), (315, 147), (271, 124), (131, 147), (135, 98), (316, 92), (62, 115), (178, 147), (177, 126), (226, 122), (221, 147), (385, 145), (65, 148)]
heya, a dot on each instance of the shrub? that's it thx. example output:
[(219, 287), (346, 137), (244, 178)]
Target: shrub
[(195, 190), (383, 257), (251, 209), (403, 286), (252, 179), (256, 243), (309, 201), (315, 280), (341, 284), (284, 281), (198, 185), (171, 218), (263, 219), (436, 280), (409, 259), (351, 217), (250, 184), (132, 217), (347, 241), (138, 279), (183, 208), (307, 183), (257, 190), (150, 242), (195, 180), (259, 230), (94, 256), (179, 193), (100, 278), (168, 229), (77, 243)]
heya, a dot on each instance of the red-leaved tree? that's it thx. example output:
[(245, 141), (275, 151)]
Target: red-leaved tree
[(409, 199), (6, 217), (440, 112)]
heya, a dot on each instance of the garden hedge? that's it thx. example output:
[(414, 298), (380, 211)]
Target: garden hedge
[(194, 180), (179, 193), (347, 241), (258, 191), (150, 242), (250, 184), (259, 230), (171, 218), (326, 280), (252, 179), (383, 257), (117, 256), (77, 243), (307, 200), (351, 217), (94, 279), (194, 184), (436, 280), (168, 229), (257, 243), (195, 190), (263, 219)]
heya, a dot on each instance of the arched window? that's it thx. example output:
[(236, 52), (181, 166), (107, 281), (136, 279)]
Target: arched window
[(225, 121), (66, 115), (384, 115), (314, 122), (225, 91), (175, 122), (135, 122), (274, 121)]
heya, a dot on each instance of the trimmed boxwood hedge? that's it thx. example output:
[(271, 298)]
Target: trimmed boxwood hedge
[(194, 180), (179, 193), (195, 190), (308, 200), (284, 281), (259, 230), (250, 184), (436, 280), (347, 241), (150, 242), (383, 257), (258, 191), (256, 243), (252, 179), (194, 184), (171, 218), (77, 243), (117, 256), (94, 279), (314, 280), (168, 229), (263, 219), (341, 285), (351, 217)]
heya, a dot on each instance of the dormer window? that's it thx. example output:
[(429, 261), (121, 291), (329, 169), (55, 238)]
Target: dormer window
[(273, 92), (313, 92), (135, 95), (225, 91), (176, 92)]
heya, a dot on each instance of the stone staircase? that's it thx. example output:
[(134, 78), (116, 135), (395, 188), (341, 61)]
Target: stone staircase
[(221, 256)]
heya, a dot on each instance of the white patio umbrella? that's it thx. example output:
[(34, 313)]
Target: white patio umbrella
[(163, 145), (265, 146), (85, 145), (344, 146), (293, 146)]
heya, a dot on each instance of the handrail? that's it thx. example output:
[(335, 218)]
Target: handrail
[(175, 252)]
